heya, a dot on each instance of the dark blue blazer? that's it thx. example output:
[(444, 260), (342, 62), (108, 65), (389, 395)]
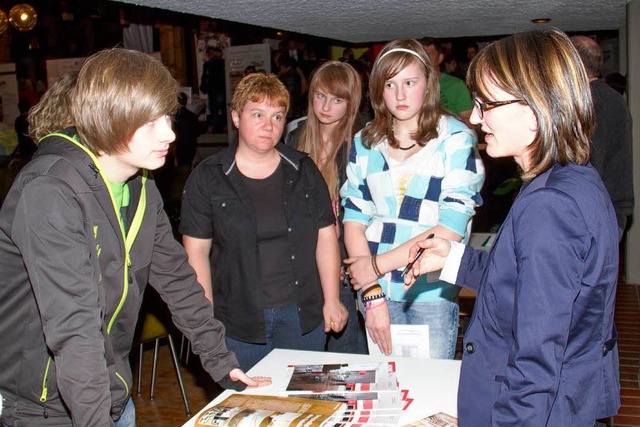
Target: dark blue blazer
[(537, 349)]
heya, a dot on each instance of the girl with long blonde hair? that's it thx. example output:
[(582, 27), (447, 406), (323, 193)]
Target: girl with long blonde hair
[(334, 100)]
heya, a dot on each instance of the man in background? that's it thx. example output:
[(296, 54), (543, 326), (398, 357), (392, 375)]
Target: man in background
[(454, 95), (213, 84), (611, 144), (612, 141)]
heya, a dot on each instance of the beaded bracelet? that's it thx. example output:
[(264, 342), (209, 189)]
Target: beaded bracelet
[(374, 264), (370, 289), (381, 295)]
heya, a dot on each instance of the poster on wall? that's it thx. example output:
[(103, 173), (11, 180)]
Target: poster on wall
[(56, 68), (237, 58), (9, 92), (8, 108)]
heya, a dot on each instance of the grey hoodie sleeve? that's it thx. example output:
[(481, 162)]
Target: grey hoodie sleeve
[(174, 279)]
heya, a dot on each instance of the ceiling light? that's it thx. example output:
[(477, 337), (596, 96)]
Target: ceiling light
[(23, 17), (4, 21), (541, 20)]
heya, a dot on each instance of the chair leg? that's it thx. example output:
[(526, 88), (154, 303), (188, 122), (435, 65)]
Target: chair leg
[(155, 365), (179, 375), (181, 346), (186, 350), (140, 368)]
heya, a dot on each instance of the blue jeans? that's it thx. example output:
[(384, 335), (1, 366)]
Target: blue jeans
[(442, 318), (128, 417), (282, 329), (353, 338)]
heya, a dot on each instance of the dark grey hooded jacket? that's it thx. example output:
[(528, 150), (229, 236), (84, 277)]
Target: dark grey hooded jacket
[(71, 286)]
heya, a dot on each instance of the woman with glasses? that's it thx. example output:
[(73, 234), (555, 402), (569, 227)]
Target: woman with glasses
[(412, 171), (537, 351)]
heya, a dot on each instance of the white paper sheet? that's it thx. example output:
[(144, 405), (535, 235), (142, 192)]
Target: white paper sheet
[(406, 341)]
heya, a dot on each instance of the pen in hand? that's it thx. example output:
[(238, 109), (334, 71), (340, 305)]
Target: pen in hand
[(420, 251)]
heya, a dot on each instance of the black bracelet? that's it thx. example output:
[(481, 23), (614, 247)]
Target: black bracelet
[(371, 289), (374, 264), (373, 297)]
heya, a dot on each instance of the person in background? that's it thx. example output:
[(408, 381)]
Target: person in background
[(612, 142), (213, 83), (259, 229), (249, 69), (611, 153), (617, 82), (538, 349), (326, 134), (454, 95), (82, 232), (294, 51), (471, 51), (185, 126), (347, 55), (450, 65), (292, 80), (26, 146), (414, 170), (53, 112)]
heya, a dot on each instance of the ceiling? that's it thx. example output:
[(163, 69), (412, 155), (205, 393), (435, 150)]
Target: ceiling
[(359, 21)]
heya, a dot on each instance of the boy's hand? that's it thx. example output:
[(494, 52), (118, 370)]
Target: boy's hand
[(238, 375)]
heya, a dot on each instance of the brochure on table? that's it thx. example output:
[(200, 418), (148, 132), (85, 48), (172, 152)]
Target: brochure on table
[(432, 384)]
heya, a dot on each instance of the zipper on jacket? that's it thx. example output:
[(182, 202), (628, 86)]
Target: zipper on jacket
[(45, 390), (128, 239), (126, 386)]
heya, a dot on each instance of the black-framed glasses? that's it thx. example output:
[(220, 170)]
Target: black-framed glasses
[(486, 106)]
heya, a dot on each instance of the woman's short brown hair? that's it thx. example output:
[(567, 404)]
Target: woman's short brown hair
[(118, 91), (258, 87), (543, 69)]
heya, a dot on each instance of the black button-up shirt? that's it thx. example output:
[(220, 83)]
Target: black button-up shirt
[(216, 206)]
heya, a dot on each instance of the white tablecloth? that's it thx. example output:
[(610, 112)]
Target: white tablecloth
[(433, 384)]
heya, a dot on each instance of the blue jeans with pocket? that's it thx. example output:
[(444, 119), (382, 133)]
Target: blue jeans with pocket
[(128, 417), (282, 328), (442, 318)]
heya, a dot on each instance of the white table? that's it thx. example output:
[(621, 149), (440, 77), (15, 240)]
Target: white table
[(433, 384)]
